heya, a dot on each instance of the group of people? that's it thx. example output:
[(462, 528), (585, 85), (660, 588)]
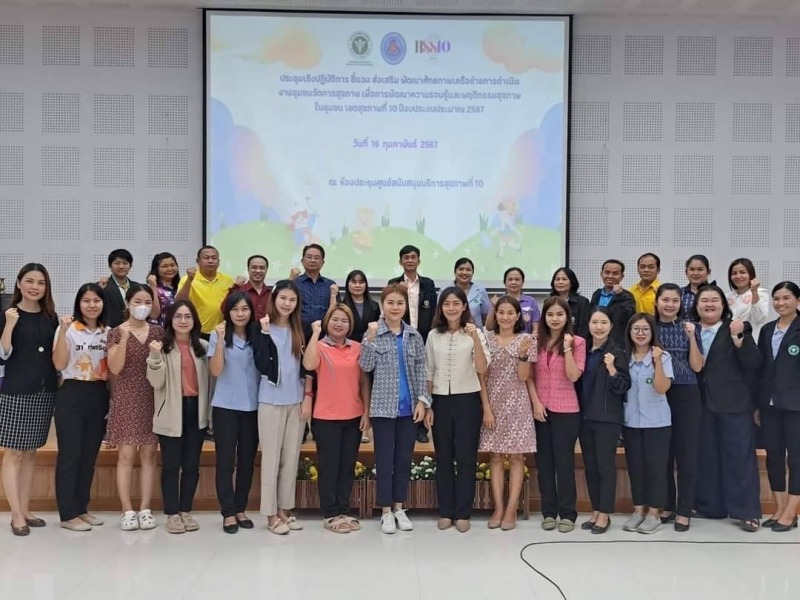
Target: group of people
[(683, 375)]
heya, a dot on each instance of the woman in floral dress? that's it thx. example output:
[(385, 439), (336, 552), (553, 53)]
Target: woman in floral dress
[(508, 407)]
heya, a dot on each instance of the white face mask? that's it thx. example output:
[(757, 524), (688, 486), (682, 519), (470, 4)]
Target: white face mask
[(141, 312)]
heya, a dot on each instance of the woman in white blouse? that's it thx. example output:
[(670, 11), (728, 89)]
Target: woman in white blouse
[(748, 300), (456, 354)]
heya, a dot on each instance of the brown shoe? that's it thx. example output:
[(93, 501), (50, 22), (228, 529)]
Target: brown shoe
[(76, 524), (444, 523), (91, 520), (20, 531), (188, 522), (175, 524), (462, 525)]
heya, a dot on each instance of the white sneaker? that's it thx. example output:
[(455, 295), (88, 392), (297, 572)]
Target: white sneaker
[(128, 522), (146, 520), (388, 524), (403, 522)]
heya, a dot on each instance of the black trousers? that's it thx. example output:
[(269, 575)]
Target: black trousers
[(337, 451), (782, 437), (80, 417), (687, 411), (394, 449), (727, 476), (555, 462), (599, 448), (236, 440), (180, 461), (646, 452), (456, 432)]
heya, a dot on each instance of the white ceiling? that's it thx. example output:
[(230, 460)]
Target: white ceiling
[(676, 8)]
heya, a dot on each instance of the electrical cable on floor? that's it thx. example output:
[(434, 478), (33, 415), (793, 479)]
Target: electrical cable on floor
[(696, 542)]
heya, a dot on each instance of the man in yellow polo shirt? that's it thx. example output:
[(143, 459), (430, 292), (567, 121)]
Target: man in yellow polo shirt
[(206, 287), (644, 292)]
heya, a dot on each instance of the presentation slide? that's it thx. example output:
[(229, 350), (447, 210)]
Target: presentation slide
[(365, 133)]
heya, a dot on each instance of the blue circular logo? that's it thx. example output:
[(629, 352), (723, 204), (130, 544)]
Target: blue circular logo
[(393, 48)]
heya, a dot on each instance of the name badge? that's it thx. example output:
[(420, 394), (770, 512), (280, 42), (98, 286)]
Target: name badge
[(794, 350), (426, 304), (649, 381)]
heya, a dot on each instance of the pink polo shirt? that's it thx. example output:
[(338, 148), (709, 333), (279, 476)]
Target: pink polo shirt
[(338, 381), (556, 392)]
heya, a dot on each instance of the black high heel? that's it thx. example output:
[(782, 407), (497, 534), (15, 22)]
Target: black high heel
[(781, 528)]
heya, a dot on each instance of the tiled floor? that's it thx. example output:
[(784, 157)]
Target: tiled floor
[(426, 564)]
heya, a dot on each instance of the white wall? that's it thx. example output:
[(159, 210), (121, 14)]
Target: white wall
[(686, 138), (100, 140)]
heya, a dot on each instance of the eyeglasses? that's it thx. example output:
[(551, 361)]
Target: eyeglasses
[(640, 329)]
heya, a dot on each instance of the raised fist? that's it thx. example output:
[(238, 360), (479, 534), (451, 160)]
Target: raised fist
[(102, 282), (334, 289), (372, 331), (190, 273), (294, 273), (608, 359), (12, 316), (657, 353), (470, 329), (265, 324), (316, 327), (689, 329), (494, 299), (155, 346), (737, 327), (220, 330), (240, 280), (66, 321), (525, 345), (568, 341), (125, 330), (152, 281), (754, 284)]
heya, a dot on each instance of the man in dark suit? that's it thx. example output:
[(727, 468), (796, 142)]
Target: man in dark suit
[(117, 285), (619, 301), (421, 302)]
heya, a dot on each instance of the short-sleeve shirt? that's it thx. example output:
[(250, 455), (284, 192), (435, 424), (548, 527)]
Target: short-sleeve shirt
[(645, 407), (237, 386), (207, 296), (338, 381), (88, 352)]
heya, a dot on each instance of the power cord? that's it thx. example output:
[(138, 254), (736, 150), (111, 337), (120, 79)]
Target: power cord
[(697, 542)]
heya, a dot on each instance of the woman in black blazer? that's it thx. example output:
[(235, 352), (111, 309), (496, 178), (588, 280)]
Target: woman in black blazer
[(727, 483), (365, 309), (601, 392), (779, 403)]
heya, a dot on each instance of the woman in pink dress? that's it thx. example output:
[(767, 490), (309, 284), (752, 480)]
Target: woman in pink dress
[(507, 407), (130, 418)]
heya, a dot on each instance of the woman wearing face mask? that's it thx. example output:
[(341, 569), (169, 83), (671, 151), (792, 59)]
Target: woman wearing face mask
[(80, 353), (565, 284), (477, 298), (697, 272), (779, 403), (602, 390), (514, 280), (560, 363), (456, 354), (341, 413), (748, 300), (164, 270), (284, 405), (681, 339), (130, 418), (178, 371), (28, 388), (728, 482)]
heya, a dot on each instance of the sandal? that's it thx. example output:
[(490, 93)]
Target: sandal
[(128, 521), (749, 525), (336, 525), (278, 527), (146, 520), (354, 524), (292, 523)]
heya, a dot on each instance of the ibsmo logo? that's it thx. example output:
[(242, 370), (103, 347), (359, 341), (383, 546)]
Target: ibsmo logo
[(432, 47)]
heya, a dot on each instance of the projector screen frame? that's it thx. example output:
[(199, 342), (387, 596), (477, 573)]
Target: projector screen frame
[(567, 17)]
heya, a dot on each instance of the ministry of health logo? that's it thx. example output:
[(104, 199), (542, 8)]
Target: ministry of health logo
[(393, 48), (360, 45)]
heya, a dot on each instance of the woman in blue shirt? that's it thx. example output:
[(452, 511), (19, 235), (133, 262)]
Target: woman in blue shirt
[(514, 280), (647, 430), (284, 405), (477, 298), (395, 354), (234, 408), (681, 339)]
